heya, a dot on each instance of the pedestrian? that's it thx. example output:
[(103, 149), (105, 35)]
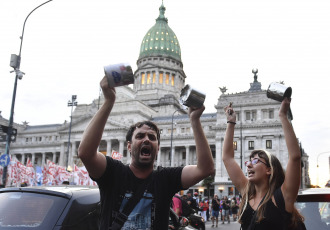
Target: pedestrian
[(215, 207), (234, 208), (225, 210), (177, 204), (204, 207), (266, 180), (118, 182)]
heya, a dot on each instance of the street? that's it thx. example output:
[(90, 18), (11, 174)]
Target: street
[(232, 226)]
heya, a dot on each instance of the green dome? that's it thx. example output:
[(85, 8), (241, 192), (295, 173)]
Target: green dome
[(160, 40)]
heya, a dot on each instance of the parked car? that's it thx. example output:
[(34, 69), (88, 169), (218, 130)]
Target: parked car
[(314, 205), (49, 207), (57, 208)]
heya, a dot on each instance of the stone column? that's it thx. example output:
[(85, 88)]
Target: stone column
[(73, 152), (43, 159), (121, 146), (172, 155), (33, 158), (187, 154), (23, 158), (159, 156), (62, 155), (54, 157), (218, 155), (109, 147)]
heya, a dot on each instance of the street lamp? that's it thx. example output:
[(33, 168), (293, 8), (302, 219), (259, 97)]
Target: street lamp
[(71, 103), (171, 152), (15, 62), (317, 161)]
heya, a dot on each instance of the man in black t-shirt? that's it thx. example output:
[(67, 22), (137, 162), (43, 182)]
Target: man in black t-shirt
[(215, 209), (119, 182), (225, 209)]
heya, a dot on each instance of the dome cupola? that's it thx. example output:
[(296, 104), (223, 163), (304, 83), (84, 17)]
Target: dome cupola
[(160, 40)]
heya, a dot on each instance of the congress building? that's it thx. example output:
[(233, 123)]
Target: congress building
[(159, 79)]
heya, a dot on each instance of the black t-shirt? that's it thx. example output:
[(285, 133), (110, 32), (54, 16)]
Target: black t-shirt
[(226, 204), (215, 205), (117, 185)]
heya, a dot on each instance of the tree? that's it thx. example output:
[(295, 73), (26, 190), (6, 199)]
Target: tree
[(207, 182)]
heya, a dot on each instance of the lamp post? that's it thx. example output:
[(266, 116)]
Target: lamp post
[(15, 62), (317, 161), (171, 152), (71, 103)]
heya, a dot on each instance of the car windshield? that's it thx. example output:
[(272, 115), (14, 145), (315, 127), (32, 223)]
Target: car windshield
[(20, 210), (317, 214)]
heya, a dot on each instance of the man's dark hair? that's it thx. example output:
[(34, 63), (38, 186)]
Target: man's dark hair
[(152, 125)]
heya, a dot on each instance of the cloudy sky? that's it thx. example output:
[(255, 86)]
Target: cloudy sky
[(67, 43)]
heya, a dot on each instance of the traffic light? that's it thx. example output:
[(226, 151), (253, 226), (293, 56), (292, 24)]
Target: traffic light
[(13, 135)]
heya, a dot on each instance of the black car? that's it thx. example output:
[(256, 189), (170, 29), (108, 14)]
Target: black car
[(314, 205), (49, 207)]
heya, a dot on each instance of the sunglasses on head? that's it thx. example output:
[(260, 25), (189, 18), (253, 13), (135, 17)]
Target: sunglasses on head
[(255, 161)]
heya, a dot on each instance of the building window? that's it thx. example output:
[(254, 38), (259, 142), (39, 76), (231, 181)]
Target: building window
[(26, 139), (153, 77), (172, 80), (161, 78), (142, 78), (248, 116), (235, 145), (148, 78), (251, 145), (238, 116), (183, 155), (183, 130), (271, 114), (269, 144), (167, 80)]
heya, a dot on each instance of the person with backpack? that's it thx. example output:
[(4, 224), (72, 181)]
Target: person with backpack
[(268, 193)]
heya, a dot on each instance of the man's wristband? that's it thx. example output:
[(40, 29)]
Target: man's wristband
[(231, 122)]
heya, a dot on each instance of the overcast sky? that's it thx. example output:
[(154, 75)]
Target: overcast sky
[(67, 43)]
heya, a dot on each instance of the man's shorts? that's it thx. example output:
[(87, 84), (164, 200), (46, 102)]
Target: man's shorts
[(215, 213)]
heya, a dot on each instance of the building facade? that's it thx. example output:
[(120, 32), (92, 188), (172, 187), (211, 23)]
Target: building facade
[(159, 79)]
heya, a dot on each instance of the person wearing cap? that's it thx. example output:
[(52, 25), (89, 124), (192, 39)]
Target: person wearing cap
[(118, 182)]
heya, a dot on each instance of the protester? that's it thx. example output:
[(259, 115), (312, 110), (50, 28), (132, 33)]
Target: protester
[(118, 182), (234, 208), (215, 206), (265, 180), (204, 206), (225, 210), (177, 204)]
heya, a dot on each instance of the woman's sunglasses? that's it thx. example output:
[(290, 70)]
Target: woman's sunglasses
[(255, 161)]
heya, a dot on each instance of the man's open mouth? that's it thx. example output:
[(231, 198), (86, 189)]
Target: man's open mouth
[(145, 151)]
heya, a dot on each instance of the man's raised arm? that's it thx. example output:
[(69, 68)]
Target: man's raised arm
[(192, 174), (94, 161)]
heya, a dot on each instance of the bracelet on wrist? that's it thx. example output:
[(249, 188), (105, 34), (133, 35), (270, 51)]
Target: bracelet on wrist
[(231, 122)]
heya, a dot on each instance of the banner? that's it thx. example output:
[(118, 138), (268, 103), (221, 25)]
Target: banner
[(116, 155), (49, 174)]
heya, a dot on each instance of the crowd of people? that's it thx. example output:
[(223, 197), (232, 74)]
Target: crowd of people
[(216, 209)]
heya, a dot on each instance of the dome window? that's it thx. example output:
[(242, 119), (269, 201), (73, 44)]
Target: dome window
[(161, 47), (150, 47), (147, 40), (156, 32), (167, 48), (151, 39), (166, 33), (162, 32), (149, 34), (162, 39), (156, 47), (156, 39)]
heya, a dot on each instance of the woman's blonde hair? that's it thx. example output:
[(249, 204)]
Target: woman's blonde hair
[(275, 181)]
